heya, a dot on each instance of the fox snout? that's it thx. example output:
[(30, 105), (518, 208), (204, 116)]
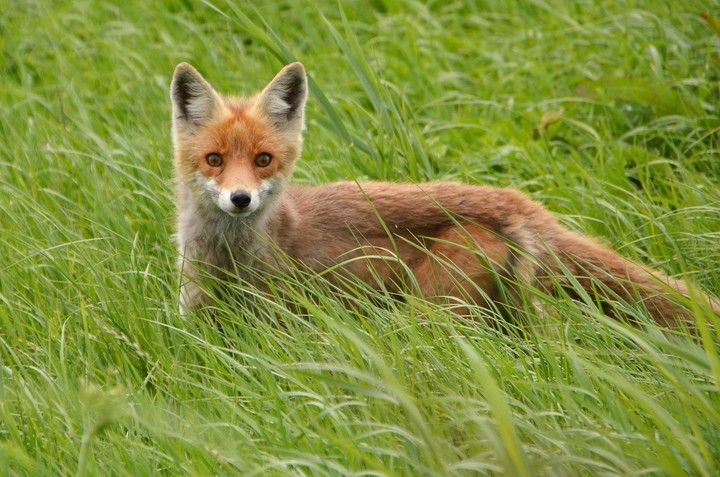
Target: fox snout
[(240, 199), (238, 202)]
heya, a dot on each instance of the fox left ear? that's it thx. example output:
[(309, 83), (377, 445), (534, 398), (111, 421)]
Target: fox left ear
[(283, 100), (195, 102)]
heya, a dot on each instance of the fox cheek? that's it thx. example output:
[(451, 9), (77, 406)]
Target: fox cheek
[(206, 186)]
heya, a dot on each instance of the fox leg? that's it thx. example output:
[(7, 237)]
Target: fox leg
[(191, 296)]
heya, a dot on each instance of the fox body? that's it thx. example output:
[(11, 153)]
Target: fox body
[(234, 158)]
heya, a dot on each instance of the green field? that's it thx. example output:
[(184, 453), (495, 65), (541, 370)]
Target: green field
[(607, 112)]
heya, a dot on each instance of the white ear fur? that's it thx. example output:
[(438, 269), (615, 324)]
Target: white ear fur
[(194, 101), (283, 99)]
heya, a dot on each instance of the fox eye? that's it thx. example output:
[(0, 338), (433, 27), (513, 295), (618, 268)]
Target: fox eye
[(263, 159), (214, 160)]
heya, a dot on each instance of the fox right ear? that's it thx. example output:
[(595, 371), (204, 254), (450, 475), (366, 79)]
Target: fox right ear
[(194, 100), (283, 100)]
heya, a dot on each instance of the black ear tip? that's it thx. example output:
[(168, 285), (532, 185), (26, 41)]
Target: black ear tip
[(184, 76), (296, 68), (294, 73), (182, 66), (296, 80), (183, 72)]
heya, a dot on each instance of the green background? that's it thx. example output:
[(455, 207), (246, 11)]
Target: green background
[(607, 112)]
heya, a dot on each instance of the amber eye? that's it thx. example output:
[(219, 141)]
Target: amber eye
[(263, 160), (214, 160)]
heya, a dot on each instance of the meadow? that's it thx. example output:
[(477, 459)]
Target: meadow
[(606, 112)]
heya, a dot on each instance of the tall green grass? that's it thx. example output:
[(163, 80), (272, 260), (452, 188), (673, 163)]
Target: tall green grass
[(607, 112)]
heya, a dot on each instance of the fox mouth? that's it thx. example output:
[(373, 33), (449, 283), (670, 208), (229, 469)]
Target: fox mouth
[(238, 213)]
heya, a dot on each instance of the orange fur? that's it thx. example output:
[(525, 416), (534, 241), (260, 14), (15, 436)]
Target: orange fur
[(445, 240)]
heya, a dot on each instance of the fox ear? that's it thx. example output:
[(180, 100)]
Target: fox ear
[(194, 100), (283, 100)]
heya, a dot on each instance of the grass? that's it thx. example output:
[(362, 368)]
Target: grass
[(606, 112)]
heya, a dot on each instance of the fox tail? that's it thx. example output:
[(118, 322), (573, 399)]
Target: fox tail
[(598, 269)]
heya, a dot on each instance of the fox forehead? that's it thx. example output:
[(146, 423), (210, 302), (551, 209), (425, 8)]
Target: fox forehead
[(240, 133)]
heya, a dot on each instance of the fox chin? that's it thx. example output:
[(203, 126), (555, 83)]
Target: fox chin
[(234, 158)]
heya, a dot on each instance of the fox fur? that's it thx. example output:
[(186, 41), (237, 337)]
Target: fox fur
[(234, 158)]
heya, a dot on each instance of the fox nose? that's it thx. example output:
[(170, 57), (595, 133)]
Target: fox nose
[(240, 199)]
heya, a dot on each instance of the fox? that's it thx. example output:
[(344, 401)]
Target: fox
[(449, 242)]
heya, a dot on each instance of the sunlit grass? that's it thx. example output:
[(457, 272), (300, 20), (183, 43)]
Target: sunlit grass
[(101, 376)]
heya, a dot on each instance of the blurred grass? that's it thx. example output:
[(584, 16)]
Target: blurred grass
[(101, 376)]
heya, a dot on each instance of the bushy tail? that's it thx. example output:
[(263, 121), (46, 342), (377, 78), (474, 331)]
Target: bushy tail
[(599, 269)]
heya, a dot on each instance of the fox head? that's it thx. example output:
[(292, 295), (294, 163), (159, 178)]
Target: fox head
[(237, 154)]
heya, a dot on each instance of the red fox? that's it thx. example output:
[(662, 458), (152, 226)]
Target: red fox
[(234, 158)]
